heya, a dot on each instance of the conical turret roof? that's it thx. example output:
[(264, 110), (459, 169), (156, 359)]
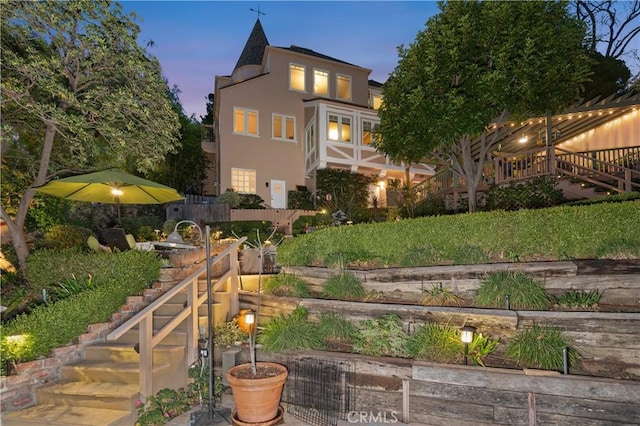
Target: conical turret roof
[(254, 48)]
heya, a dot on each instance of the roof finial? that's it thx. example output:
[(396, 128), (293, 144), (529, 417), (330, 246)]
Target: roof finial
[(259, 12)]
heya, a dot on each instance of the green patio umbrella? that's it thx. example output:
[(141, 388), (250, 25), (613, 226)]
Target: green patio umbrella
[(110, 186)]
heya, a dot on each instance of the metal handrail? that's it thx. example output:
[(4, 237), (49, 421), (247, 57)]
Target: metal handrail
[(148, 340)]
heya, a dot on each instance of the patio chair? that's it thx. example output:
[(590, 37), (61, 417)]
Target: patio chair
[(117, 239)]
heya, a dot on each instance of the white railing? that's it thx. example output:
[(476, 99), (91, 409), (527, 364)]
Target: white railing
[(148, 338)]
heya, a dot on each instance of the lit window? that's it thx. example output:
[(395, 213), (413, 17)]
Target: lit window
[(296, 77), (243, 181), (344, 87), (245, 121), (320, 83), (339, 128), (284, 127), (367, 128), (376, 101)]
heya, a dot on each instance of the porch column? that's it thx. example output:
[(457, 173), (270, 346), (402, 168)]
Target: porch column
[(551, 154)]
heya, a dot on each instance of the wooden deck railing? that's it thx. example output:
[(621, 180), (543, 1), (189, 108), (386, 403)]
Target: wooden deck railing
[(148, 338), (616, 169)]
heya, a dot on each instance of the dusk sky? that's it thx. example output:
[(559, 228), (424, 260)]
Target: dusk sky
[(197, 40)]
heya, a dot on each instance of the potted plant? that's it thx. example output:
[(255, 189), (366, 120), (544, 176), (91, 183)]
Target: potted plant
[(257, 386)]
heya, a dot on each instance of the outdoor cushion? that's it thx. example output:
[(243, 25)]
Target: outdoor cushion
[(95, 245)]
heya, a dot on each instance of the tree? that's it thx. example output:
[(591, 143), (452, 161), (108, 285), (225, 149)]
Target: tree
[(186, 168), (78, 93), (611, 25), (611, 28), (473, 63)]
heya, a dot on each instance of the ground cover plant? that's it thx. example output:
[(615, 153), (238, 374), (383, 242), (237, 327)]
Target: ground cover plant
[(284, 284), (56, 323), (343, 285), (603, 230), (577, 299), (382, 336), (290, 331), (541, 346), (514, 289), (441, 296)]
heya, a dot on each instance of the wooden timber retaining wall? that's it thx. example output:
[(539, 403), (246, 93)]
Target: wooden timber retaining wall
[(420, 393), (609, 341)]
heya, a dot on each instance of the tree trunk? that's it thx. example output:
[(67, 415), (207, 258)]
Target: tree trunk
[(16, 225)]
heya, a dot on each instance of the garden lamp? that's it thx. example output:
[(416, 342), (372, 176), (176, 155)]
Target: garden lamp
[(467, 337), (250, 320), (175, 237)]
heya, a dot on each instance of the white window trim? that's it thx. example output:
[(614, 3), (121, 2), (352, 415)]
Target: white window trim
[(246, 122), (304, 81), (325, 95), (350, 87), (284, 128), (340, 117), (255, 179)]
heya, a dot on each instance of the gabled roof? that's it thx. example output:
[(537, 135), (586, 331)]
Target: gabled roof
[(254, 47)]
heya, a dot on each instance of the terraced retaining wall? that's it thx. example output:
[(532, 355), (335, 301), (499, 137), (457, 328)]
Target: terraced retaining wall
[(421, 393)]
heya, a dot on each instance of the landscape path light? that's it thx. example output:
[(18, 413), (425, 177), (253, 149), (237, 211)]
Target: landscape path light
[(466, 335)]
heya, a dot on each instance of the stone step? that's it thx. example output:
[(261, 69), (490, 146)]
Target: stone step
[(104, 395), (105, 371), (59, 415)]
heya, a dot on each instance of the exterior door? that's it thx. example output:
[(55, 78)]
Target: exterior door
[(278, 194)]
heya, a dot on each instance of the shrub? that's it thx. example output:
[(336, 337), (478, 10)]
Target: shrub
[(533, 193), (289, 332), (344, 285), (160, 408), (70, 286), (578, 298), (438, 296), (523, 291), (67, 236), (336, 329), (383, 336), (47, 268), (436, 343), (115, 276), (542, 347), (285, 284), (302, 200), (228, 333)]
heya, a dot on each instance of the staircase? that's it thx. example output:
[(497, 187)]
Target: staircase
[(580, 175), (105, 386)]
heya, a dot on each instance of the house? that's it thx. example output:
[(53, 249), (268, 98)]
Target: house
[(286, 112)]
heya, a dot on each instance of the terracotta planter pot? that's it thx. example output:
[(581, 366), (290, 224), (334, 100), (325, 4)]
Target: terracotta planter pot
[(257, 398)]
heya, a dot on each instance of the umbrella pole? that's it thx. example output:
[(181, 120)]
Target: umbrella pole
[(118, 205)]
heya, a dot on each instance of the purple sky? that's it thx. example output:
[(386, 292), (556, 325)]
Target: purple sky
[(197, 40)]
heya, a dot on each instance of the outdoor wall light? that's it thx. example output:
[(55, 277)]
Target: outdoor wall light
[(175, 237), (466, 335)]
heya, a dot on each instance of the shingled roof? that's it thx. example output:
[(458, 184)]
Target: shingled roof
[(310, 52), (254, 47)]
